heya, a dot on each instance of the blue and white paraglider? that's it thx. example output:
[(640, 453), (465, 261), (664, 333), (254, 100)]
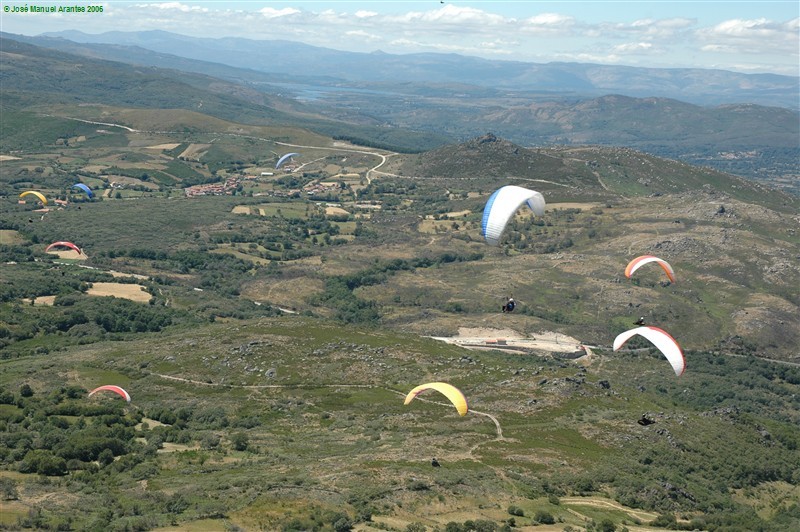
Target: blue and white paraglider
[(85, 188), (284, 158), (501, 207)]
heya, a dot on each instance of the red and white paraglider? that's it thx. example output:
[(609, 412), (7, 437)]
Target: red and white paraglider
[(662, 340), (63, 244), (636, 263), (112, 388)]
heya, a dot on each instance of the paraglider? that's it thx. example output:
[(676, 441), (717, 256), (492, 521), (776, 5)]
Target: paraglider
[(63, 244), (284, 158), (640, 321), (645, 421), (502, 205), (34, 193), (662, 340), (644, 259), (85, 188), (510, 305), (451, 392), (112, 388)]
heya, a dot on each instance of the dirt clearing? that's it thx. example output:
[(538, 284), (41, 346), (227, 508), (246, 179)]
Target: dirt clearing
[(509, 339), (134, 292), (163, 146)]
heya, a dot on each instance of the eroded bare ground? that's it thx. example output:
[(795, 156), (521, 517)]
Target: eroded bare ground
[(511, 340)]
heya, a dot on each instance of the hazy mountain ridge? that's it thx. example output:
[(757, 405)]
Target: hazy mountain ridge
[(38, 76), (701, 86), (757, 141)]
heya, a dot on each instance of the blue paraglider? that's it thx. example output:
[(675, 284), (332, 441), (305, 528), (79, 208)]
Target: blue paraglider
[(284, 158), (86, 189)]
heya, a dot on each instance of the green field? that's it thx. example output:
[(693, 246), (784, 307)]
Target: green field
[(269, 366)]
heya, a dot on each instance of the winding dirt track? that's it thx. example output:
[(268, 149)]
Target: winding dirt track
[(275, 386)]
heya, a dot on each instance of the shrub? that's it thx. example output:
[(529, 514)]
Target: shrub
[(516, 510), (546, 518)]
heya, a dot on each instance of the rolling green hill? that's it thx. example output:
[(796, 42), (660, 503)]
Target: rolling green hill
[(38, 78)]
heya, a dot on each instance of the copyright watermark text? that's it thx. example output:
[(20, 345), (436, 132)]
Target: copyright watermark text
[(65, 8)]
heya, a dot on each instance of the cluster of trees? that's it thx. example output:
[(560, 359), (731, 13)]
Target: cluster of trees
[(348, 308), (96, 446), (40, 437), (80, 319)]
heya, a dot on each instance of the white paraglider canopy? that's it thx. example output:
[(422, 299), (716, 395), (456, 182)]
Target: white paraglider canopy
[(501, 207)]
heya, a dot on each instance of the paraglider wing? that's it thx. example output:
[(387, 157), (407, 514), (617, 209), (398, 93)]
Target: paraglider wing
[(284, 158), (34, 193), (662, 340), (112, 388), (451, 392), (501, 207), (644, 259), (63, 244), (85, 188)]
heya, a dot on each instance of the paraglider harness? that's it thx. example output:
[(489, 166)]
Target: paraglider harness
[(509, 306), (644, 421)]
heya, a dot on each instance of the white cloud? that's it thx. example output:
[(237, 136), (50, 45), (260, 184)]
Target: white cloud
[(633, 48), (175, 6), (270, 12), (449, 15), (444, 47), (662, 29), (363, 35), (550, 19), (589, 58), (366, 14), (548, 24), (751, 37)]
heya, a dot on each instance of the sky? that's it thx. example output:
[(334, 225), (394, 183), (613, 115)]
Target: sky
[(761, 36)]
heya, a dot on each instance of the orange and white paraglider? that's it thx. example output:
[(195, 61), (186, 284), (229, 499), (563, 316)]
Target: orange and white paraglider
[(662, 340), (451, 392), (112, 388), (636, 263)]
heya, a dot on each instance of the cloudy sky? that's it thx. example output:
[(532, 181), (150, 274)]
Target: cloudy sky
[(744, 36)]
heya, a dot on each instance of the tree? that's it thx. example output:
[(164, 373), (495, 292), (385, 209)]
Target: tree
[(25, 390), (239, 441), (606, 525), (8, 489), (546, 518), (105, 457)]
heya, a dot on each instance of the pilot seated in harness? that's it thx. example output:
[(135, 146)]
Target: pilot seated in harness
[(509, 306)]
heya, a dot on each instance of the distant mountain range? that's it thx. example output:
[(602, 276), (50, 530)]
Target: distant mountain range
[(755, 141), (698, 86)]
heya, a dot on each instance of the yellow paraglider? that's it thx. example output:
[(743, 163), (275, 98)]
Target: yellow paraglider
[(35, 193), (448, 390)]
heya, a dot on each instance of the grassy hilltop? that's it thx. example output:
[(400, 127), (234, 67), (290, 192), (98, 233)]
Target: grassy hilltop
[(268, 330)]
